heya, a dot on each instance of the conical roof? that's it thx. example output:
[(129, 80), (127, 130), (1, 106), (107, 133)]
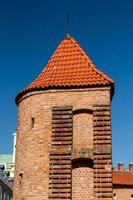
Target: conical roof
[(69, 66)]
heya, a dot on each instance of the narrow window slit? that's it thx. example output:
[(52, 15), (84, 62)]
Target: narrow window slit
[(32, 122), (20, 179)]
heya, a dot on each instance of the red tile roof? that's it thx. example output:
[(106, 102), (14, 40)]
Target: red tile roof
[(69, 66), (122, 178)]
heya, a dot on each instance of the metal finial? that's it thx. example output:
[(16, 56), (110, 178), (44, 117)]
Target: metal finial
[(68, 22)]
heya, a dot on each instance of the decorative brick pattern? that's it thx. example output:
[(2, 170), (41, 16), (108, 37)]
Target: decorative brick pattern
[(60, 156), (82, 155), (82, 183), (102, 152), (83, 131)]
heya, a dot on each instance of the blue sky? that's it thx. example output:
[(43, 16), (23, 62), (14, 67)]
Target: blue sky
[(30, 30)]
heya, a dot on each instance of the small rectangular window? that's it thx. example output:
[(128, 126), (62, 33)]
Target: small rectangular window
[(20, 179), (32, 122)]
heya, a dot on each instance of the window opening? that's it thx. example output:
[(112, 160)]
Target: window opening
[(32, 122), (114, 196), (20, 179), (131, 197)]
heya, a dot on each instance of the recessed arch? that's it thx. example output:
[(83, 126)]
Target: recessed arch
[(82, 128), (82, 162), (82, 110)]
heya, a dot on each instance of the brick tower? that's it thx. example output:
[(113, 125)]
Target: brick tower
[(64, 130)]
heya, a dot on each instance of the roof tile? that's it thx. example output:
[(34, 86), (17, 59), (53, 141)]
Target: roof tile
[(122, 178), (68, 66)]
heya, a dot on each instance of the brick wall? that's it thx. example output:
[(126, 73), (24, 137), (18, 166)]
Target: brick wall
[(82, 183), (122, 192), (34, 142), (83, 130)]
